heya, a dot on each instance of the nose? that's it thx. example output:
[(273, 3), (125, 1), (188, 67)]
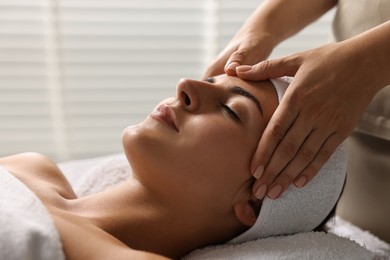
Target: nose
[(195, 95), (188, 94)]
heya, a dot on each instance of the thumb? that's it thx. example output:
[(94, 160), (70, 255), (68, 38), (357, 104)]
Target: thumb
[(275, 68), (247, 52), (237, 58)]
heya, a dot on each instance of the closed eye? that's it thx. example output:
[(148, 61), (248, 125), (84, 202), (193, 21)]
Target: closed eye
[(231, 113)]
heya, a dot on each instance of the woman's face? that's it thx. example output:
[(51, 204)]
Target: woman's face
[(198, 145)]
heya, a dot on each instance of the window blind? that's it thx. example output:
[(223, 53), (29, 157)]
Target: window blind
[(25, 113), (75, 73)]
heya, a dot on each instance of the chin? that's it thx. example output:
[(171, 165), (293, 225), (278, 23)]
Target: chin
[(142, 145), (131, 136), (148, 155), (128, 135)]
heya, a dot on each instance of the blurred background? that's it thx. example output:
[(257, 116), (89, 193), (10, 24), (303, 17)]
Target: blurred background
[(75, 73)]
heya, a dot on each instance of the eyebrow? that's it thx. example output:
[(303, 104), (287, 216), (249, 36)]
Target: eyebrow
[(240, 91)]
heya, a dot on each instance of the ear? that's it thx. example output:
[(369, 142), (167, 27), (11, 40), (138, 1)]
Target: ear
[(245, 213)]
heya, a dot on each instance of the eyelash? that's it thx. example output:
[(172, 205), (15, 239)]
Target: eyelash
[(231, 113)]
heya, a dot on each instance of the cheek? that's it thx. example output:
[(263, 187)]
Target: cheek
[(217, 144), (218, 133), (217, 158), (208, 132)]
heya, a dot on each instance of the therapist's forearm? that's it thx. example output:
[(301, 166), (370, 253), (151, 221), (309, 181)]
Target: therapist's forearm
[(374, 48), (284, 18)]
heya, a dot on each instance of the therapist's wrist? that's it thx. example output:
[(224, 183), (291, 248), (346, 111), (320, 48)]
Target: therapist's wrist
[(373, 51)]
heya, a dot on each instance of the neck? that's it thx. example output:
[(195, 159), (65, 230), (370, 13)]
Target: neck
[(134, 215)]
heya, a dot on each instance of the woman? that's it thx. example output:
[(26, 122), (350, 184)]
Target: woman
[(191, 181)]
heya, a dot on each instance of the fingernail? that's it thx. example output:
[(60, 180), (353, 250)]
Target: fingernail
[(300, 182), (275, 191), (243, 68), (260, 193), (232, 65), (258, 172)]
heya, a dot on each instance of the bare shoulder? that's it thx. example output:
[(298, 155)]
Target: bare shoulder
[(82, 240), (35, 170)]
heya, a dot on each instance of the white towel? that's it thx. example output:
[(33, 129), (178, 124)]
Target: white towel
[(26, 228), (106, 172), (342, 228), (310, 245)]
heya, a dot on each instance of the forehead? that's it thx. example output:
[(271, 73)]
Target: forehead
[(255, 87)]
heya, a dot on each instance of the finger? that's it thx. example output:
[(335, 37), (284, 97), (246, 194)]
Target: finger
[(246, 54), (274, 132), (323, 155), (308, 173), (230, 68), (285, 153), (303, 158), (217, 67), (214, 69), (286, 66), (284, 116)]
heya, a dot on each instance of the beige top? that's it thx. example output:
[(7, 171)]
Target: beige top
[(353, 17)]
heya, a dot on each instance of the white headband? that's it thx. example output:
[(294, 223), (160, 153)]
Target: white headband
[(281, 85), (299, 209)]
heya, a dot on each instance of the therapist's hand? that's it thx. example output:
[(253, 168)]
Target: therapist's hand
[(332, 87), (245, 48)]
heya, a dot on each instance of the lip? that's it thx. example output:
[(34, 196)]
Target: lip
[(165, 115)]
